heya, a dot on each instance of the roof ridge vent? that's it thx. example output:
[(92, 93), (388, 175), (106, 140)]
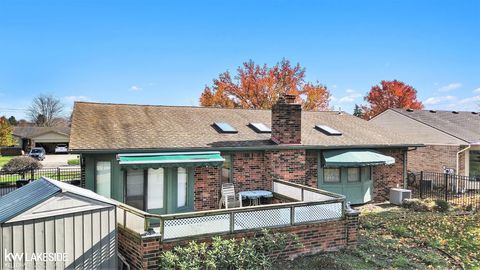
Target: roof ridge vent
[(433, 111)]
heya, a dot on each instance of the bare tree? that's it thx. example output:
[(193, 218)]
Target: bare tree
[(45, 110)]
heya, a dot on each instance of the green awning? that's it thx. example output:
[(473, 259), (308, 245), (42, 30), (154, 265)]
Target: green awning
[(355, 158), (183, 159)]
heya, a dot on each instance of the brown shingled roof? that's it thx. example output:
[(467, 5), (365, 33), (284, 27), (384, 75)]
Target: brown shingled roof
[(30, 132), (98, 126), (463, 125)]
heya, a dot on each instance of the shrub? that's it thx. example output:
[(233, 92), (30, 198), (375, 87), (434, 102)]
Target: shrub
[(21, 165), (418, 205), (252, 253), (441, 206), (73, 162)]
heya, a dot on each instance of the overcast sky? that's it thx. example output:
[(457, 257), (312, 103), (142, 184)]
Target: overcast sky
[(165, 52)]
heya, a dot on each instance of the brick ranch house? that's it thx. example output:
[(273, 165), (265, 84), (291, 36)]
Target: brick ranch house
[(451, 139), (167, 164)]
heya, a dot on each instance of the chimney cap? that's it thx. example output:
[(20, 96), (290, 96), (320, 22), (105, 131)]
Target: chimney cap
[(289, 98)]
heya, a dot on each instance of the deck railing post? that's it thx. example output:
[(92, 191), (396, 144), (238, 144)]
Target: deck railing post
[(232, 222), (292, 215), (162, 228), (145, 224)]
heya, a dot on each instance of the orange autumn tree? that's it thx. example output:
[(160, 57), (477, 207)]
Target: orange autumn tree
[(390, 94), (258, 87)]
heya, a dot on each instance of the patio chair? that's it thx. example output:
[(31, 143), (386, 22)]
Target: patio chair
[(229, 199)]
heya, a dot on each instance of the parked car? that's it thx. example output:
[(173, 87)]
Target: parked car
[(38, 153), (61, 148)]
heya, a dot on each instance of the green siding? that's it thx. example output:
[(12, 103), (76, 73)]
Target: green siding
[(118, 182), (355, 192)]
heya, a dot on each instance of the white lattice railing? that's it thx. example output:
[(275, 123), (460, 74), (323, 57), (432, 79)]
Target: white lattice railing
[(309, 205), (313, 205)]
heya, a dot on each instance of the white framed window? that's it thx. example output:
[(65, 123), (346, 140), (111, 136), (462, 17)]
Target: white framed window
[(227, 169), (331, 175), (353, 175), (135, 194), (182, 180), (367, 173), (155, 188), (103, 176)]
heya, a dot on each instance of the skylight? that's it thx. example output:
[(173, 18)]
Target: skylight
[(223, 127), (328, 130), (260, 127)]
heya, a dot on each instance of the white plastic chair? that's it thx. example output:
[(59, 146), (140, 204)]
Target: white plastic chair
[(229, 199)]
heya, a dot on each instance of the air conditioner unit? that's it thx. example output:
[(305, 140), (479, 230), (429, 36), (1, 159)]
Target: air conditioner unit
[(397, 195)]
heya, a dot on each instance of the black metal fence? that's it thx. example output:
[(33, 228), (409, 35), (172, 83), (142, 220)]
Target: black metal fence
[(11, 181), (456, 189)]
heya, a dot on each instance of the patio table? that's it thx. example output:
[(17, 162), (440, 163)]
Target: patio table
[(255, 195)]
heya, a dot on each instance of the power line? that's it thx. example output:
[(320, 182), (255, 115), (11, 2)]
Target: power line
[(12, 109)]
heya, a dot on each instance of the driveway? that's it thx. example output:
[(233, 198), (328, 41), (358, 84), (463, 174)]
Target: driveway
[(57, 160)]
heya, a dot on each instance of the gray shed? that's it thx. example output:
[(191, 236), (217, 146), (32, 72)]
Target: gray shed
[(48, 224)]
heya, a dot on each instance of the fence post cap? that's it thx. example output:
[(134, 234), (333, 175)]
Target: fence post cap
[(349, 211)]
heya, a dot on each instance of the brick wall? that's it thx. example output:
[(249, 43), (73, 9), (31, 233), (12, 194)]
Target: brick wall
[(432, 158), (249, 171), (311, 172), (255, 170), (207, 185), (387, 176), (286, 121), (461, 163), (143, 252), (288, 165)]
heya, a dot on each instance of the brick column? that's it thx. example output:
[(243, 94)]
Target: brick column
[(351, 225), (140, 252)]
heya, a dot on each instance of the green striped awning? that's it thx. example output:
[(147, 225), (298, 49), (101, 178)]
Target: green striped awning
[(355, 158), (183, 159)]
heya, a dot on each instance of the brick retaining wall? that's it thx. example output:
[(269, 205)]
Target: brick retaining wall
[(142, 252)]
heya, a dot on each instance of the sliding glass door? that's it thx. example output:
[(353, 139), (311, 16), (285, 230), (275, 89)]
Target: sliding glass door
[(134, 195), (160, 191), (156, 192)]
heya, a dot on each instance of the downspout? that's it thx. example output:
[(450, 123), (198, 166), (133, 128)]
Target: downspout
[(458, 165), (405, 160), (405, 168), (458, 158)]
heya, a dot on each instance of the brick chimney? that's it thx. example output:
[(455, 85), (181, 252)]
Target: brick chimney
[(287, 121)]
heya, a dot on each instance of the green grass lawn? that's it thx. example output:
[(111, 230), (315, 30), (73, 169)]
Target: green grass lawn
[(403, 239), (73, 162), (4, 160)]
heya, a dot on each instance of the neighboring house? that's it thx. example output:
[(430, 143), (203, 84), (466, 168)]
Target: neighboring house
[(452, 138), (46, 137), (131, 153)]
